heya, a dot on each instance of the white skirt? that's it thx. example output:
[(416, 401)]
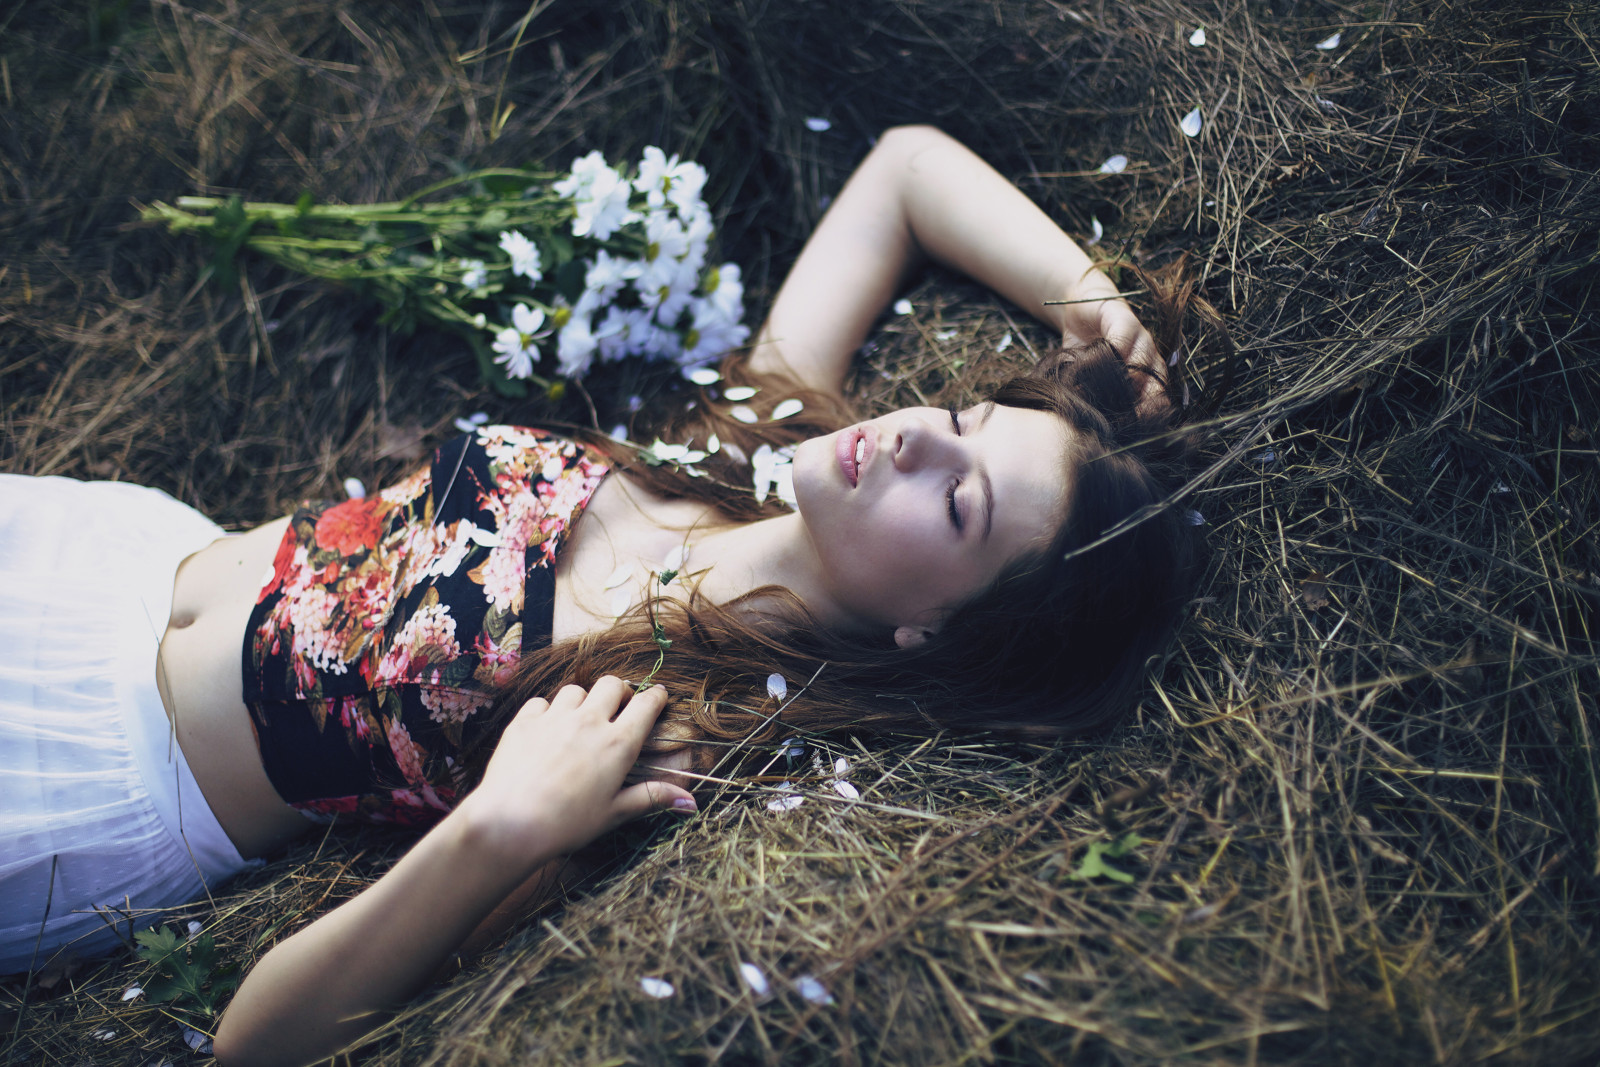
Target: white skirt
[(101, 822)]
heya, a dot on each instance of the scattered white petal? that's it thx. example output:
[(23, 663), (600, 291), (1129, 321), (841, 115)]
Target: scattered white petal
[(813, 990), (194, 929), (197, 1041), (1327, 105), (131, 992), (762, 472), (714, 445), (621, 601), (704, 376), (1500, 487), (1194, 518), (902, 306), (354, 489), (743, 414), (735, 453), (464, 425), (618, 576), (1198, 37), (754, 979), (693, 455), (619, 432), (1267, 457), (635, 403), (105, 1035), (1191, 124), (1098, 232), (1330, 44), (665, 452), (777, 688), (478, 418), (1211, 203), (787, 802), (841, 767), (1005, 343), (740, 392), (673, 560), (818, 125), (785, 408), (846, 790), (1033, 977), (659, 988), (1114, 165)]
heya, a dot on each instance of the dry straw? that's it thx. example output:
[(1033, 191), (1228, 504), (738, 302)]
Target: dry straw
[(1364, 783)]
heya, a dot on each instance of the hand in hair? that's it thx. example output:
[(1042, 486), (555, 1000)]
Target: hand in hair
[(1114, 320)]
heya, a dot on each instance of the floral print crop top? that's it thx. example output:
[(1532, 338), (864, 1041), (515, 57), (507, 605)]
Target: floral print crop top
[(381, 630)]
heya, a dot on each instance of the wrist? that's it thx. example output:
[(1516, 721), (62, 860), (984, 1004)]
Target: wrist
[(511, 842)]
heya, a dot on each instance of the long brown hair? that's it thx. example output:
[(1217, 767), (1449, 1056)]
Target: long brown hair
[(1056, 646)]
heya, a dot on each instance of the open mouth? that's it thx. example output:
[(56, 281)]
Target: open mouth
[(854, 449)]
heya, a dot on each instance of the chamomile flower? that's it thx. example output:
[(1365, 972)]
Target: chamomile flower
[(599, 194), (576, 345), (524, 255), (514, 346)]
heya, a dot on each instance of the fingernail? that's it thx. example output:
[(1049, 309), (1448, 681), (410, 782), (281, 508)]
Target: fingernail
[(685, 804)]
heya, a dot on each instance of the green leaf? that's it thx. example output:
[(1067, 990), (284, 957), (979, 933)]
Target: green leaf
[(156, 945), (1094, 865), (667, 576)]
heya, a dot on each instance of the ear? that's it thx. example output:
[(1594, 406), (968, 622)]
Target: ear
[(913, 636)]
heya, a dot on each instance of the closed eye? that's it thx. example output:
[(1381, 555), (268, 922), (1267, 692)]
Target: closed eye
[(950, 502)]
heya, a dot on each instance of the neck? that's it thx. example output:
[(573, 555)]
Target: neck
[(735, 560)]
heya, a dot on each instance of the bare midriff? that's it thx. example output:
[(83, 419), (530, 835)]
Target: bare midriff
[(201, 677)]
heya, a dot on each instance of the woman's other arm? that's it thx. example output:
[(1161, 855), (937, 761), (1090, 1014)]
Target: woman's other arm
[(921, 193), (553, 785)]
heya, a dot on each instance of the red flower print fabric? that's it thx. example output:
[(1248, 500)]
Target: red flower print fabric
[(385, 626)]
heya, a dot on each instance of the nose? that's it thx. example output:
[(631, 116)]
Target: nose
[(920, 444)]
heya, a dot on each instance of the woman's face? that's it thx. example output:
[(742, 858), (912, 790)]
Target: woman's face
[(916, 511)]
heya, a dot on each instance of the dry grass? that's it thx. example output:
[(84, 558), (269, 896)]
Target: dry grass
[(1365, 780)]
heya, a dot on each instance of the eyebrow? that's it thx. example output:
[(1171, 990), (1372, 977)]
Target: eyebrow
[(983, 476)]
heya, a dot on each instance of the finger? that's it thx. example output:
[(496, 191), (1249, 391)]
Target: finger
[(647, 797), (606, 696), (569, 697), (643, 710), (533, 708)]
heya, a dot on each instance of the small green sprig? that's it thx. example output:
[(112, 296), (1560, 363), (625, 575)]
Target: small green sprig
[(658, 633)]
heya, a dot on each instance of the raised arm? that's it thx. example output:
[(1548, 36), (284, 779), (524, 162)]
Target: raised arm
[(921, 193), (552, 786)]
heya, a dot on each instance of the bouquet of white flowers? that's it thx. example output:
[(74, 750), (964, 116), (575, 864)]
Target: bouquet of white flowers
[(527, 266)]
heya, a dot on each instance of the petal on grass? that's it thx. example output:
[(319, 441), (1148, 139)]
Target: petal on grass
[(1330, 44), (787, 802), (902, 306), (1098, 230), (659, 988), (1115, 165), (813, 990), (777, 687), (754, 980), (131, 992), (846, 790), (841, 767), (1198, 37), (1191, 124), (816, 125)]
